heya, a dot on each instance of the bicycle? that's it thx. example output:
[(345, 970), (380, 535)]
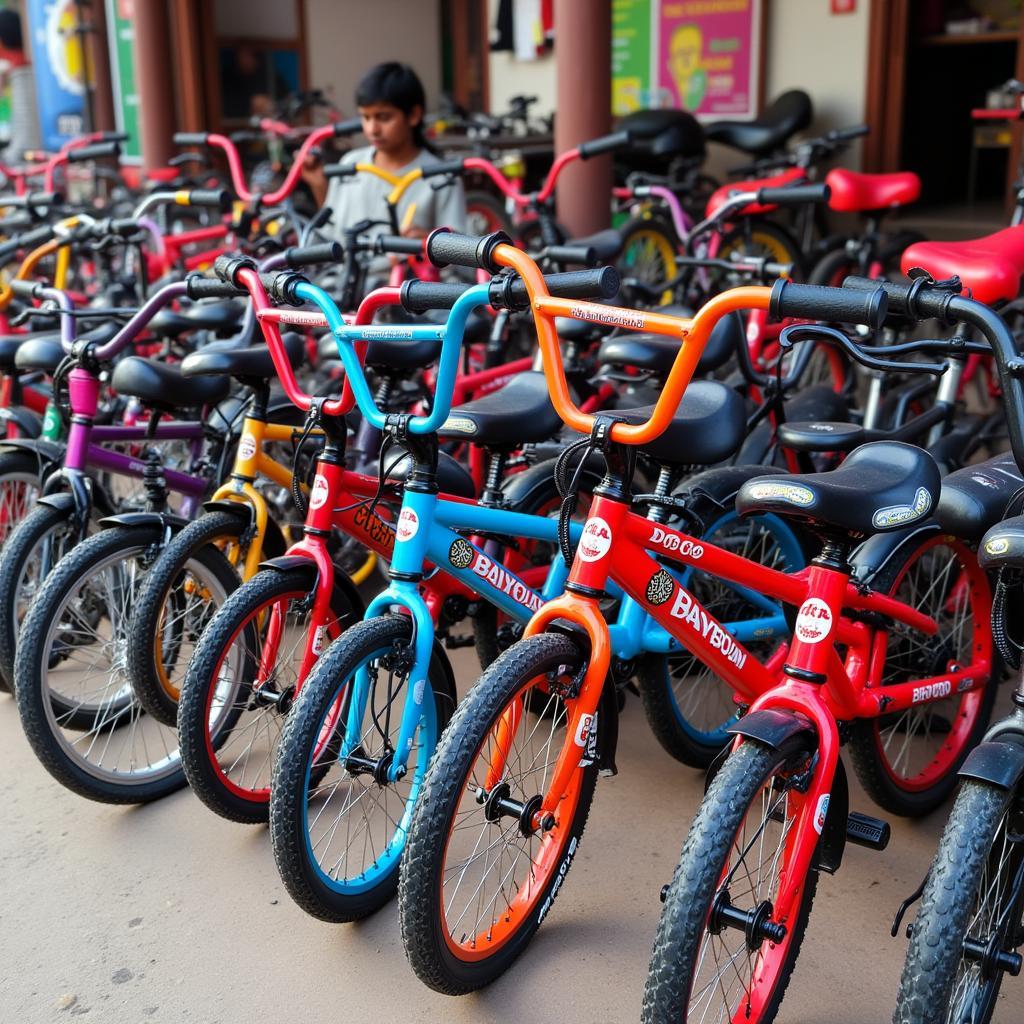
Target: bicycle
[(564, 660)]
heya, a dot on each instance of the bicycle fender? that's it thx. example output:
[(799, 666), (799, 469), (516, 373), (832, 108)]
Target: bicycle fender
[(447, 691), (775, 729), (608, 729), (64, 501), (829, 855), (875, 553), (164, 520), (46, 451), (524, 487), (25, 420), (999, 762), (274, 543), (343, 584)]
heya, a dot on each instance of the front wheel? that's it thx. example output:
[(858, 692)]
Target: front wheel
[(241, 683), (478, 879), (973, 901), (705, 964), (337, 822)]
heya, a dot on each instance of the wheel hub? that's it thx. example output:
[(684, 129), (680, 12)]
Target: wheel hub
[(756, 924)]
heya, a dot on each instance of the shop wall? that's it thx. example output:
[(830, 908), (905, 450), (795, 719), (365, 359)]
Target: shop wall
[(343, 40)]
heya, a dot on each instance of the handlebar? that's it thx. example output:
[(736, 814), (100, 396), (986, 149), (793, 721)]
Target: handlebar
[(398, 244), (605, 144), (794, 195), (838, 305), (96, 151)]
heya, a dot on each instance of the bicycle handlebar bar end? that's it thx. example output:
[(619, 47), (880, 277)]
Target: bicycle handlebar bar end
[(97, 151), (199, 287), (445, 247), (191, 138), (795, 195), (836, 305), (605, 144), (307, 255)]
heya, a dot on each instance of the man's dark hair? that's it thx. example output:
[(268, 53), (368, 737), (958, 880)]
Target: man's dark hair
[(398, 85), (10, 30)]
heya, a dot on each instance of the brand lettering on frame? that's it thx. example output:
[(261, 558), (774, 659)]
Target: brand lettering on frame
[(496, 575), (673, 542), (687, 610)]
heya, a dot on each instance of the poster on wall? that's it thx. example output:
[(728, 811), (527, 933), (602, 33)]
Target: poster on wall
[(58, 64), (697, 55), (122, 68)]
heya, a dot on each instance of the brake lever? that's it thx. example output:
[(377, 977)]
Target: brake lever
[(796, 333)]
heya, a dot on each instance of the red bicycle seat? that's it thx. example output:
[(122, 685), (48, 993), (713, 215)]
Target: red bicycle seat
[(720, 195), (991, 266), (853, 192)]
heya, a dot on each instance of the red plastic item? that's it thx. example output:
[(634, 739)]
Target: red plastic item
[(853, 192), (991, 266), (726, 192)]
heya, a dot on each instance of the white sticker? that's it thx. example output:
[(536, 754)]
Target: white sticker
[(247, 446), (596, 540), (408, 524), (318, 640), (821, 813), (583, 730), (813, 621), (318, 495)]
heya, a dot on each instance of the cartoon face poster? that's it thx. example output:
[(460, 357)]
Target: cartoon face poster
[(708, 54)]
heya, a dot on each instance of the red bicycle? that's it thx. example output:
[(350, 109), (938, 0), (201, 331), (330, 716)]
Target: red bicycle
[(511, 782)]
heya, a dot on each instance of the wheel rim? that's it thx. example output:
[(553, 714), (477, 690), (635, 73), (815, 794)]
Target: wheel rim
[(493, 876), (242, 733), (974, 995), (90, 630), (648, 257), (919, 747), (355, 829), (18, 494), (727, 972), (702, 702)]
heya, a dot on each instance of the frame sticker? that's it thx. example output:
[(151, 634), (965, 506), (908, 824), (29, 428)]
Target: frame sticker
[(408, 524), (596, 541), (318, 493), (660, 587), (793, 493), (460, 554), (821, 813), (246, 446), (897, 515), (813, 621)]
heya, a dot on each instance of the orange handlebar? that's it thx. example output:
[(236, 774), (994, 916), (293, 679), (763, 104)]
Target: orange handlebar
[(693, 334)]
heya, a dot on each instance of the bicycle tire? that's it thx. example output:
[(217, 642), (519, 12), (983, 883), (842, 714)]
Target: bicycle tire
[(456, 966)]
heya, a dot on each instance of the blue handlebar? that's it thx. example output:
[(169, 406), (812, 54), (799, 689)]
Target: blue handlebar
[(450, 336)]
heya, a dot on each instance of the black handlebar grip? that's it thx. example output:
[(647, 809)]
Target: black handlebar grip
[(218, 198), (25, 289), (584, 255), (15, 222), (115, 136), (43, 199), (199, 287), (226, 267), (605, 144), (29, 240), (845, 134), (452, 166), (602, 283), (191, 138), (123, 226), (916, 301), (794, 195), (281, 286), (837, 305), (448, 248), (398, 244), (340, 170), (351, 126), (307, 255), (97, 151), (419, 296)]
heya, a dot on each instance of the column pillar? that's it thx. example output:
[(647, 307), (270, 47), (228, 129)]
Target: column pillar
[(155, 80), (99, 57), (583, 77)]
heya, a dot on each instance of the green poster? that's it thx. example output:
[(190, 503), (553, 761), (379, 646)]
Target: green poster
[(631, 55), (122, 68)]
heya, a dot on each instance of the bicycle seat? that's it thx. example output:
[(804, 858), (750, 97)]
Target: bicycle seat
[(170, 324), (254, 362), (882, 486), (975, 497), (657, 353), (661, 135), (165, 386), (707, 428), (580, 331), (725, 192), (520, 413), (11, 343), (782, 118), (44, 351), (1003, 545), (451, 477), (991, 267), (821, 436), (854, 193), (221, 316)]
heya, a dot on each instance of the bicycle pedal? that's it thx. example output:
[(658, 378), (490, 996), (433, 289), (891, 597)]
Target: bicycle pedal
[(864, 830), (452, 643)]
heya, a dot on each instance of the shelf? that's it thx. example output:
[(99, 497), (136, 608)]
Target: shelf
[(966, 39)]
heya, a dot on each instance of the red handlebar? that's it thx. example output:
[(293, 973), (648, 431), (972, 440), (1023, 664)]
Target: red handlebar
[(476, 163)]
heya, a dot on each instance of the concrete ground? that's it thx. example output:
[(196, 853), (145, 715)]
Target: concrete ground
[(167, 913)]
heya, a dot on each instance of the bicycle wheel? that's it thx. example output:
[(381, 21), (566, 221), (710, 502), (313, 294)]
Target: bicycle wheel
[(230, 719), (703, 966), (908, 761), (71, 655), (173, 609), (648, 253), (687, 705), (974, 898), (477, 881), (30, 552), (763, 239), (20, 486), (338, 826)]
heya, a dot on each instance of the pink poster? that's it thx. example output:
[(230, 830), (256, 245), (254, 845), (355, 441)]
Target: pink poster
[(708, 55)]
